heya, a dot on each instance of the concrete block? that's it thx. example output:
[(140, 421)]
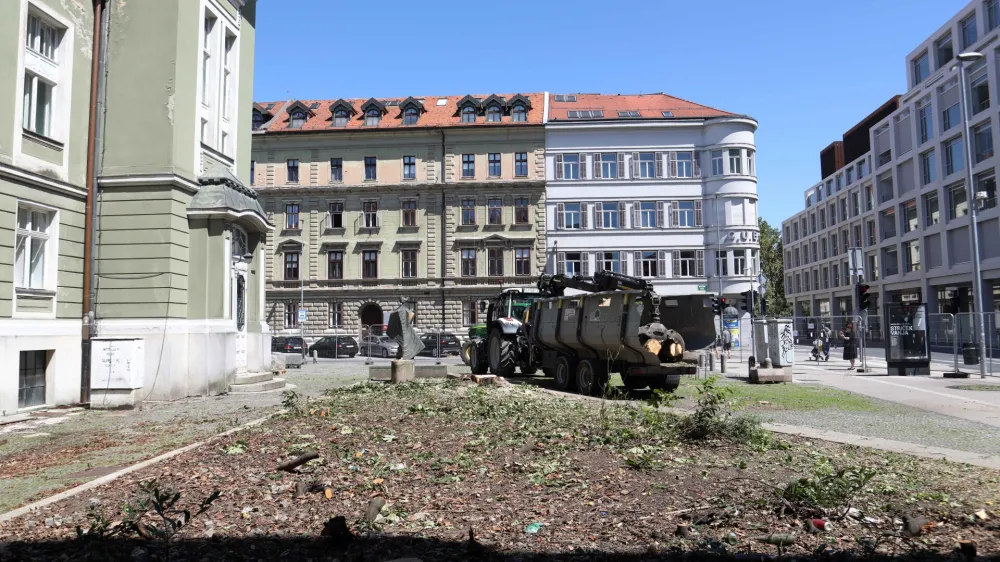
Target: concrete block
[(277, 362), (402, 370), (762, 375), (292, 360), (484, 379)]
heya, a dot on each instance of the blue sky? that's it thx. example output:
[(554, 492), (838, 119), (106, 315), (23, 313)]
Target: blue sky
[(807, 71)]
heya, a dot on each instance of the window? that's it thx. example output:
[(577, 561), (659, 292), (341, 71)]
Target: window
[(921, 68), (258, 120), (610, 214), (335, 264), (857, 235), (31, 242), (606, 164), (722, 262), (822, 219), (572, 263), (822, 249), (908, 216), (409, 263), (494, 164), (206, 60), (470, 311), (37, 105), (520, 210), (969, 32), (519, 114), (468, 262), (468, 114), (950, 117), (931, 212), (871, 234), (911, 255), (291, 314), (647, 215), (252, 172), (369, 264), (953, 157), (987, 182), (371, 168), (750, 166), (298, 119), (925, 121), (409, 210), (468, 166), (855, 203), (291, 266), (843, 209), (862, 169), (336, 169), (646, 262), (927, 167), (522, 261), (409, 167), (992, 14), (887, 223), (682, 165), (292, 168), (740, 262), (493, 114), (716, 162), (689, 263), (372, 117), (850, 175), (568, 166), (958, 204), (468, 212), (610, 261), (227, 62), (520, 165), (569, 215), (686, 214), (336, 314), (982, 138), (943, 52), (292, 216), (369, 210), (410, 116), (336, 218), (42, 38), (588, 114), (833, 244), (494, 262), (646, 165), (494, 211), (979, 88), (869, 198), (340, 118)]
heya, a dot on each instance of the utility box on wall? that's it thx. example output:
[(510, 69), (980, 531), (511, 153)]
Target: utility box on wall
[(116, 372)]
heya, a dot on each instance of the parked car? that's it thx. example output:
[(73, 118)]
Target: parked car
[(287, 345), (449, 344), (335, 346), (379, 346)]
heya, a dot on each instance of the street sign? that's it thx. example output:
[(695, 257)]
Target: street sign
[(761, 284), (302, 315), (703, 288)]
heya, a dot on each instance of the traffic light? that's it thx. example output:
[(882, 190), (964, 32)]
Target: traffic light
[(718, 305), (861, 294), (747, 304), (763, 306)]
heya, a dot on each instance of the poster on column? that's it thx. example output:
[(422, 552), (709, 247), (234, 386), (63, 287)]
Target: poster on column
[(733, 325)]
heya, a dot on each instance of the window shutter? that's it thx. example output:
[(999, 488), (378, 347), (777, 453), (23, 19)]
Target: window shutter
[(675, 216), (697, 213), (661, 264), (598, 215), (700, 259), (597, 166), (560, 219), (583, 166), (561, 262), (584, 208), (677, 264), (621, 164), (585, 263), (661, 214), (635, 165), (559, 166), (621, 215), (637, 264), (623, 262), (697, 164), (659, 164), (672, 164), (636, 205)]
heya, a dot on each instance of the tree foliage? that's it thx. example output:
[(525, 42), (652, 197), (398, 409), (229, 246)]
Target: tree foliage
[(772, 265)]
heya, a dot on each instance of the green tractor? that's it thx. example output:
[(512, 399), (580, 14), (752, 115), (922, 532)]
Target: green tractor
[(497, 348)]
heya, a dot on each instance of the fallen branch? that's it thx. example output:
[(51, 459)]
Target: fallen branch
[(688, 510), (297, 461)]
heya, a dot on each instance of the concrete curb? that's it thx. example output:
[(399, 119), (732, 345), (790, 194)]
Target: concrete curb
[(97, 482)]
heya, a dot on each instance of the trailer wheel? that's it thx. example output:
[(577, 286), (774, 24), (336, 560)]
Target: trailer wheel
[(590, 379), (563, 373), (477, 358), (633, 383), (667, 383), (501, 355)]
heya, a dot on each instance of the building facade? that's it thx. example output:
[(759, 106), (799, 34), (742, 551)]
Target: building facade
[(904, 200), (177, 237), (656, 187), (439, 200)]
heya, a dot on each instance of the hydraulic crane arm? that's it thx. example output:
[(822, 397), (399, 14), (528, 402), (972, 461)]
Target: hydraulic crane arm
[(556, 285)]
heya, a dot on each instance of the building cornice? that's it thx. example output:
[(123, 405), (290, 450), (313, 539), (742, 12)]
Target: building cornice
[(366, 189), (667, 122), (40, 181), (142, 180)]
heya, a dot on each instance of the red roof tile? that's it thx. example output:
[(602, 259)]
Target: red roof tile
[(649, 106), (434, 116)]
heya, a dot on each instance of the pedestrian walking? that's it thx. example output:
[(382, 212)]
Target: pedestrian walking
[(849, 336), (727, 343), (825, 336)]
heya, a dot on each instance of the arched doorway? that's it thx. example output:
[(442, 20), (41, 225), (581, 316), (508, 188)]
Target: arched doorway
[(371, 316)]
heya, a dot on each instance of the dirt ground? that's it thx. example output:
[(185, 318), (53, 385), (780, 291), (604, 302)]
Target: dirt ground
[(527, 476)]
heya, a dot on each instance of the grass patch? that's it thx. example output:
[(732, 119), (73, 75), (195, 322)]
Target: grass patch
[(983, 387), (797, 397)]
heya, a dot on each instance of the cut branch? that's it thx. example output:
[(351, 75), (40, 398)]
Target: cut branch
[(297, 461)]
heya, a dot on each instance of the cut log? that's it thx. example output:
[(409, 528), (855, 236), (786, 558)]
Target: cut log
[(298, 461), (653, 346)]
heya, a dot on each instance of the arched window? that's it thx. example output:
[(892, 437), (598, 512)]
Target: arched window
[(493, 114), (298, 118), (468, 114), (372, 117), (520, 114), (410, 116), (258, 120), (340, 118), (240, 245)]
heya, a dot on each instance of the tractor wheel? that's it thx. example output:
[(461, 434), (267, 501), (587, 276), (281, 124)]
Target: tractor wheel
[(634, 383), (501, 352), (563, 374), (477, 358), (590, 380), (466, 352)]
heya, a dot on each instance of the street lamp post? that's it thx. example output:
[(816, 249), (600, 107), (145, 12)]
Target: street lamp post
[(973, 202)]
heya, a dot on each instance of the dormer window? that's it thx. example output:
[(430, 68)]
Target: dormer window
[(493, 114), (298, 119), (411, 116), (372, 117), (258, 120), (340, 118), (468, 114), (519, 114)]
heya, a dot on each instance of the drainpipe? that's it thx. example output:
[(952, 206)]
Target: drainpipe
[(444, 237), (97, 68)]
